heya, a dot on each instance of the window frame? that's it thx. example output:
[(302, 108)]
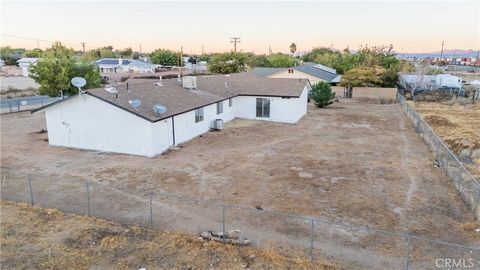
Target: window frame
[(264, 111), (219, 107), (199, 115)]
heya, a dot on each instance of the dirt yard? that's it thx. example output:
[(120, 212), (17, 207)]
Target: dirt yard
[(459, 127), (38, 238), (353, 163)]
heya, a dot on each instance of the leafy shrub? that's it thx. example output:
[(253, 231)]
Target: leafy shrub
[(322, 94)]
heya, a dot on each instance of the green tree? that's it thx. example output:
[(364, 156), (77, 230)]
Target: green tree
[(125, 53), (293, 48), (229, 62), (11, 55), (322, 94), (280, 60), (204, 57), (362, 76), (257, 61), (36, 53), (165, 57), (57, 67)]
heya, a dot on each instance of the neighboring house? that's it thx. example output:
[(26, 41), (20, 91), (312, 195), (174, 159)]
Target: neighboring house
[(311, 71), (114, 65), (103, 119), (25, 63)]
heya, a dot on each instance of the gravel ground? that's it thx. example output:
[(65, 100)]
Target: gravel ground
[(353, 162)]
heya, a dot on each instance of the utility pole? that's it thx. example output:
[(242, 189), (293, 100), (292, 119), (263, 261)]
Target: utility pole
[(180, 61), (203, 51), (140, 48), (441, 52), (235, 40), (83, 45), (269, 50)]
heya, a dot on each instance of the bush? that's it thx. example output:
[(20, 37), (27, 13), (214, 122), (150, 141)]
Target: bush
[(322, 94)]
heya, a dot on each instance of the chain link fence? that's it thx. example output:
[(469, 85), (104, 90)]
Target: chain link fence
[(352, 247), (24, 104), (463, 180)]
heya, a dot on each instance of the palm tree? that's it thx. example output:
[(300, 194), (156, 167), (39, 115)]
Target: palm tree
[(293, 48)]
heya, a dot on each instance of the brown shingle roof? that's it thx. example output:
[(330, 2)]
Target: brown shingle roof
[(210, 89)]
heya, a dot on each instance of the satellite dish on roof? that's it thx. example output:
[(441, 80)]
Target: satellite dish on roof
[(135, 103), (78, 82), (159, 109)]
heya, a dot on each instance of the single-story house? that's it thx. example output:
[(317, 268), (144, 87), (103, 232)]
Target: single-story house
[(311, 71), (25, 64), (114, 65), (124, 119)]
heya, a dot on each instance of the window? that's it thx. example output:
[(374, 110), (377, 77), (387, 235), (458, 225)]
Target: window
[(220, 107), (230, 102), (263, 107), (198, 115)]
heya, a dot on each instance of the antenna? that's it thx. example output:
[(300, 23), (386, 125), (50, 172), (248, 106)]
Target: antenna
[(159, 109), (79, 82), (135, 103)]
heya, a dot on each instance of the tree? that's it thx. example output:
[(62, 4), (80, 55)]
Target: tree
[(165, 57), (225, 63), (57, 67), (293, 48), (280, 60), (322, 94), (125, 53), (10, 55), (362, 76), (36, 53)]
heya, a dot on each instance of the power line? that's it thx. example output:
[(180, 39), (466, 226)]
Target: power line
[(80, 44), (235, 40)]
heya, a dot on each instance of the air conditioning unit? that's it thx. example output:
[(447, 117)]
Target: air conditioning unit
[(190, 82), (217, 124)]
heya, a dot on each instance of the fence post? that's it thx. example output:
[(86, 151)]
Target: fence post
[(30, 185), (409, 251), (311, 239), (18, 106), (151, 210), (88, 198), (10, 106), (224, 207)]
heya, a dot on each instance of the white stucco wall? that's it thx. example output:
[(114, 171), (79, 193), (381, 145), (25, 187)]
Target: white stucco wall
[(286, 110), (86, 122), (186, 128)]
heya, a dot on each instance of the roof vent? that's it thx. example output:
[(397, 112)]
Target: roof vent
[(159, 109), (159, 83), (190, 82), (135, 103)]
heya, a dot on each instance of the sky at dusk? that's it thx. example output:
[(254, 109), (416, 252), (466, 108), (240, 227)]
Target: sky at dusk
[(411, 26)]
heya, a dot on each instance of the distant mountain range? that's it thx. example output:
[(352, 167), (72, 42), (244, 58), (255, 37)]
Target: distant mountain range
[(446, 53)]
